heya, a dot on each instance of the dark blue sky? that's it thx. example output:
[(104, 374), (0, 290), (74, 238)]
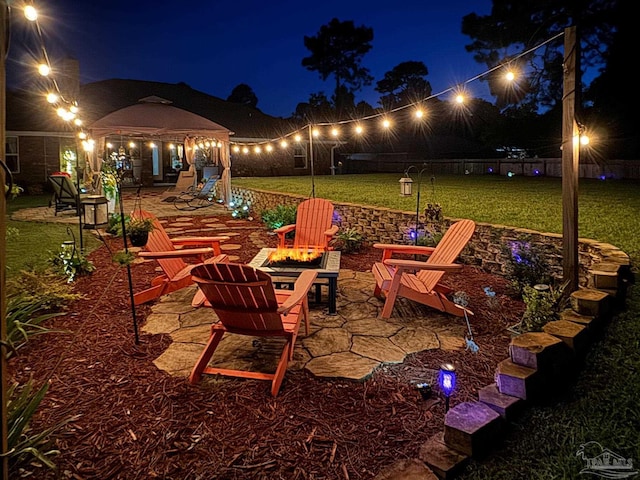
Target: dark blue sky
[(214, 46)]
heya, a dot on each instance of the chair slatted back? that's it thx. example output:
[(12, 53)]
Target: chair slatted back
[(159, 241), (207, 188), (242, 297), (449, 247), (314, 217)]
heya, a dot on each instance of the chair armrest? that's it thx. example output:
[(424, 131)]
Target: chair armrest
[(389, 249), (285, 229), (212, 242), (185, 252), (300, 289), (414, 265), (332, 231)]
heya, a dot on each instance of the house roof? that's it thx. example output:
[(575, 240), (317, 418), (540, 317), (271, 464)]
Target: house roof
[(29, 111)]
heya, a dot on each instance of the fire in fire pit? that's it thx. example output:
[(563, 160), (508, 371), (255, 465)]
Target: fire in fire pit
[(294, 257)]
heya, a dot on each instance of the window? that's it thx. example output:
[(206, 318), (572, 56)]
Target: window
[(300, 156), (11, 153)]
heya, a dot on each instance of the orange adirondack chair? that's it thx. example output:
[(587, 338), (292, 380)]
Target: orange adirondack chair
[(246, 303), (396, 278), (176, 273), (313, 229)]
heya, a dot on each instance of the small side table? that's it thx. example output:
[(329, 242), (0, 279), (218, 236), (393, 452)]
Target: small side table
[(95, 211)]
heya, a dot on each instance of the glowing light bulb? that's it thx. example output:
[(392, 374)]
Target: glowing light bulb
[(510, 76), (152, 145), (109, 145), (30, 13), (359, 129), (419, 113), (460, 98), (269, 148), (236, 148), (219, 145), (315, 132), (284, 144), (297, 138), (386, 123), (132, 145), (258, 149), (172, 146), (77, 122), (82, 135), (61, 112), (73, 109), (43, 69), (52, 98), (584, 140), (245, 150), (335, 132)]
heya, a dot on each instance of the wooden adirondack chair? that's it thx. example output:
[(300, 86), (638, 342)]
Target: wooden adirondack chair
[(176, 273), (246, 303), (313, 229), (396, 277), (65, 193)]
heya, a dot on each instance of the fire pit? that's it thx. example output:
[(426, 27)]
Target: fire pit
[(293, 257)]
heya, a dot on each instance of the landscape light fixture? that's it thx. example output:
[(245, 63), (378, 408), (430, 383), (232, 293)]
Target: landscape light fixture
[(447, 381)]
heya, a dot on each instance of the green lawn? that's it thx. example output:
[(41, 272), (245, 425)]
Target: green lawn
[(606, 208)]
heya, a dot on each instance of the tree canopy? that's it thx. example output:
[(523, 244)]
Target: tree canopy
[(404, 84), (244, 94), (514, 27), (337, 49)]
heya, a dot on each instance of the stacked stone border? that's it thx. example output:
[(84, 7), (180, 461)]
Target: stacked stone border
[(537, 363)]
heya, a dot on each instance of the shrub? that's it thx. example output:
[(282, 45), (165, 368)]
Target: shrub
[(70, 262), (349, 240), (543, 306), (44, 287), (525, 265), (279, 216), (114, 227)]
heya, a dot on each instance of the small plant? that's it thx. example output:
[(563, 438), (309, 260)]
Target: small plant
[(240, 210), (349, 240), (25, 316), (43, 287), (525, 265), (433, 212), (114, 227), (542, 306), (25, 447), (123, 258), (70, 262), (139, 225), (279, 216), (429, 238)]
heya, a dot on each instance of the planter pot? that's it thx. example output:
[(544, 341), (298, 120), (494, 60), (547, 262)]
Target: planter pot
[(138, 239)]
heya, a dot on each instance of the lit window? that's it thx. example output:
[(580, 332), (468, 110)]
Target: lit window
[(11, 154), (300, 156)]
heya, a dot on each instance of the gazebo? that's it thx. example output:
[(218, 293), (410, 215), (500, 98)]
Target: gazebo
[(155, 120)]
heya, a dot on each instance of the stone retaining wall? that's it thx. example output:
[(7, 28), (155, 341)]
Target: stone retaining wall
[(385, 225)]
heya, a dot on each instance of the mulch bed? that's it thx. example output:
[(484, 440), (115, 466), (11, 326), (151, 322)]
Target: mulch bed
[(137, 422)]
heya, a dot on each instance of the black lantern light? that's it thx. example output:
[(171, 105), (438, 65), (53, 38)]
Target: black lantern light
[(95, 211)]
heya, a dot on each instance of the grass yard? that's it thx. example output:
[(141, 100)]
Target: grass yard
[(606, 209)]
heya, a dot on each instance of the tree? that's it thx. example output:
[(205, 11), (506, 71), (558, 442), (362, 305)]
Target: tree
[(337, 49), (404, 84), (515, 26), (244, 95), (317, 109)]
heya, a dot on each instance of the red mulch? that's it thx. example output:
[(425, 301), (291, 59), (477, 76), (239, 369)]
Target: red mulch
[(136, 422)]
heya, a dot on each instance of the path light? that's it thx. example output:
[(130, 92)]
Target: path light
[(447, 381)]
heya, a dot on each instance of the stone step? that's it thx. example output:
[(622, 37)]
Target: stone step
[(538, 350), (603, 279), (508, 407), (406, 469), (472, 428), (445, 462), (591, 323), (518, 381), (574, 335), (590, 302)]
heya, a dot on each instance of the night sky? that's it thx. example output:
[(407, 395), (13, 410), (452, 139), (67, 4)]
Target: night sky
[(214, 46)]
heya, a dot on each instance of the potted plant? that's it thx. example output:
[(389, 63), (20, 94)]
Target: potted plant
[(138, 231)]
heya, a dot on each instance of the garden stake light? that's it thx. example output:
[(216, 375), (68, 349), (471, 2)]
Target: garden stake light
[(447, 381)]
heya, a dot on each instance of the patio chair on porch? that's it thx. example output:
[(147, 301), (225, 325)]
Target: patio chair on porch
[(246, 303), (313, 228), (192, 200), (420, 281), (186, 182), (176, 272), (65, 194)]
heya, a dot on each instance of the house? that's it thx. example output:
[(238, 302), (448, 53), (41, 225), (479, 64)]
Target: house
[(40, 143)]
